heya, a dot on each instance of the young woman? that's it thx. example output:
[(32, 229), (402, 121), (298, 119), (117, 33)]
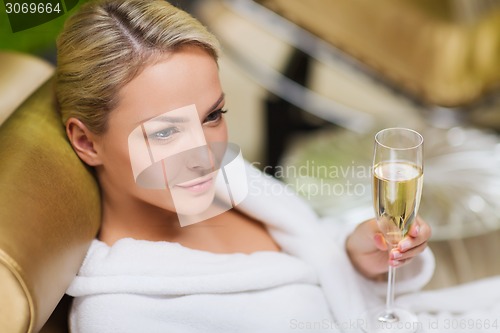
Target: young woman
[(132, 70)]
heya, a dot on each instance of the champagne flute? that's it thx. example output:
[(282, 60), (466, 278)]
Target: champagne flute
[(397, 188)]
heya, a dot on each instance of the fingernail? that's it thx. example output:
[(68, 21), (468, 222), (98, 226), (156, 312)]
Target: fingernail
[(396, 254), (417, 230), (404, 245), (394, 262)]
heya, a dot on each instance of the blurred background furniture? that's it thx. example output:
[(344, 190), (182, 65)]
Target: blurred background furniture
[(20, 75), (439, 52), (49, 202)]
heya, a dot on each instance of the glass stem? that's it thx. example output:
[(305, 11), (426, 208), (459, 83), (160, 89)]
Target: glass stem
[(388, 316), (389, 301)]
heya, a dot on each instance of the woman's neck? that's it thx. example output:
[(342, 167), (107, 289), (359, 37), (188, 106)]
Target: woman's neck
[(230, 232), (124, 217)]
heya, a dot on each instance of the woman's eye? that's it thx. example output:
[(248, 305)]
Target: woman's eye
[(164, 134), (214, 116)]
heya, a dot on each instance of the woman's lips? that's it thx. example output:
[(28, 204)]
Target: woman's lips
[(197, 185)]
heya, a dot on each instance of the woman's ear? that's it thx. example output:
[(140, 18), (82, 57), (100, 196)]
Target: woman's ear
[(84, 142)]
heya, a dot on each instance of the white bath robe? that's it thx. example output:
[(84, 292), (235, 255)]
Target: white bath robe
[(143, 286)]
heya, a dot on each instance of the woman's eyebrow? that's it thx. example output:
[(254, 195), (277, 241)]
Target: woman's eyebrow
[(164, 118), (177, 119), (171, 119)]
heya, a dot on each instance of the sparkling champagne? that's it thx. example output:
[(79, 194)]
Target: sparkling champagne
[(397, 191)]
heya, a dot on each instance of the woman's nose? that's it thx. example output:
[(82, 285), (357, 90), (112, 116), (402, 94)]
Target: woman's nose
[(201, 159)]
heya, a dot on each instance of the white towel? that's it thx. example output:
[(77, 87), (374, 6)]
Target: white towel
[(142, 286)]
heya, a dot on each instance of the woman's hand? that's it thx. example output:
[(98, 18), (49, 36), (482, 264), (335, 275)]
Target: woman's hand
[(367, 247)]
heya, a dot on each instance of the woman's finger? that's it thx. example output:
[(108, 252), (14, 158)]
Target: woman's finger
[(398, 255), (418, 234), (380, 242), (399, 263)]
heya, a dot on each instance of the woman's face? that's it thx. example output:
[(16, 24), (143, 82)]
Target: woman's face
[(157, 148)]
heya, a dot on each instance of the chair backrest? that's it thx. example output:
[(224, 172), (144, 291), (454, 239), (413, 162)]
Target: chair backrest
[(49, 213)]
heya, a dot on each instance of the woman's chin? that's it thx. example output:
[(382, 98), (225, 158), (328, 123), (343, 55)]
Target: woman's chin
[(193, 203)]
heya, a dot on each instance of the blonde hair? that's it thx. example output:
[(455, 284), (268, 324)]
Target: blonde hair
[(107, 43)]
